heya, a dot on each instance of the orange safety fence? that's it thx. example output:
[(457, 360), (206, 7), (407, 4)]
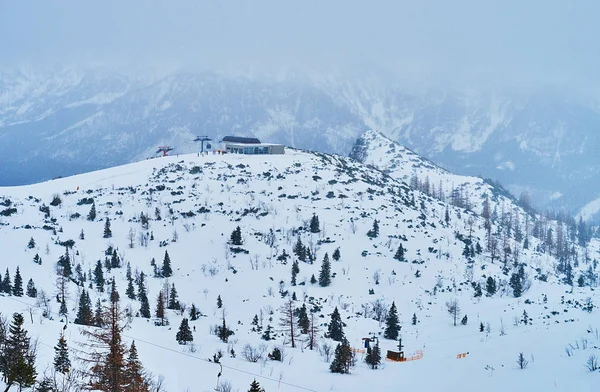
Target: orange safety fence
[(461, 355), (358, 350)]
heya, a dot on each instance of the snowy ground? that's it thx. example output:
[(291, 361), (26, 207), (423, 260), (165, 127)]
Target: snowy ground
[(282, 193)]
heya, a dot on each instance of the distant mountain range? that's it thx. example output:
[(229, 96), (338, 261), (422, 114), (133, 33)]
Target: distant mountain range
[(61, 123)]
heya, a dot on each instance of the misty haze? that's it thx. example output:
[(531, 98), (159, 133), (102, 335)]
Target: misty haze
[(369, 192)]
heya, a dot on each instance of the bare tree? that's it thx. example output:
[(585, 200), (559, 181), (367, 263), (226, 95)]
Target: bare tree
[(592, 363), (313, 331), (131, 237), (453, 310), (288, 320)]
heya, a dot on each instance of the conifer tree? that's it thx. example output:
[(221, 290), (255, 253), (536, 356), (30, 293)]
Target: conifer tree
[(314, 224), (490, 286), (37, 259), (143, 297), (373, 357), (342, 358), (516, 285), (84, 311), (184, 335), (335, 328), (414, 319), (160, 308), (400, 253), (18, 285), (313, 280), (115, 262), (223, 332), (31, 243), (17, 357), (300, 250), (99, 277), (481, 327), (6, 283), (107, 368), (63, 311), (1, 283), (325, 274), (219, 302), (166, 270), (130, 291), (255, 387), (81, 235), (295, 270), (107, 230), (64, 264), (194, 312), (92, 214), (62, 363), (303, 321), (98, 320), (336, 254), (236, 237), (478, 293), (135, 380), (31, 290), (173, 299), (392, 328), (374, 232)]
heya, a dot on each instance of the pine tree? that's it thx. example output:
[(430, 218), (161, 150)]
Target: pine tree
[(98, 320), (490, 286), (173, 299), (400, 253), (92, 214), (64, 264), (184, 335), (223, 332), (325, 274), (478, 293), (314, 224), (166, 270), (135, 380), (336, 254), (255, 387), (17, 363), (194, 313), (516, 285), (37, 259), (219, 302), (236, 237), (392, 328), (144, 303), (106, 357), (31, 290), (374, 232), (62, 363), (160, 308), (84, 311), (82, 235), (342, 358), (31, 243), (313, 280), (335, 328), (18, 285), (115, 262), (414, 319), (295, 270), (373, 357), (130, 292), (300, 250), (481, 327), (464, 320), (107, 231), (99, 277), (63, 311), (6, 283), (1, 283), (303, 321)]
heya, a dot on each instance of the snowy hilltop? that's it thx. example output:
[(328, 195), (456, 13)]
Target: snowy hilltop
[(69, 121), (232, 269)]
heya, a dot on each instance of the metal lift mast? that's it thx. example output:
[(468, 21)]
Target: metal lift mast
[(202, 139)]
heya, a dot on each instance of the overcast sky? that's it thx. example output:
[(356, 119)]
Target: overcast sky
[(555, 41)]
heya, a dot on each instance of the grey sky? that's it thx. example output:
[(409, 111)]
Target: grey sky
[(527, 40)]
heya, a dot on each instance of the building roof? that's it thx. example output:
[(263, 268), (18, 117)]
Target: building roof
[(238, 139)]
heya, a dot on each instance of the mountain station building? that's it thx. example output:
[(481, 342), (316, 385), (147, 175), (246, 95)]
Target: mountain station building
[(249, 146)]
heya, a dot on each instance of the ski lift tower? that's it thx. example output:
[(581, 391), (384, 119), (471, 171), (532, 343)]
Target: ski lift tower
[(203, 139), (164, 150)]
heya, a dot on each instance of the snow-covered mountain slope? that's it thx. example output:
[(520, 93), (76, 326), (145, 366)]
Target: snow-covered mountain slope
[(202, 199), (66, 122)]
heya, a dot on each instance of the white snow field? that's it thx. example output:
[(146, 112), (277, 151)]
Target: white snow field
[(259, 193)]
